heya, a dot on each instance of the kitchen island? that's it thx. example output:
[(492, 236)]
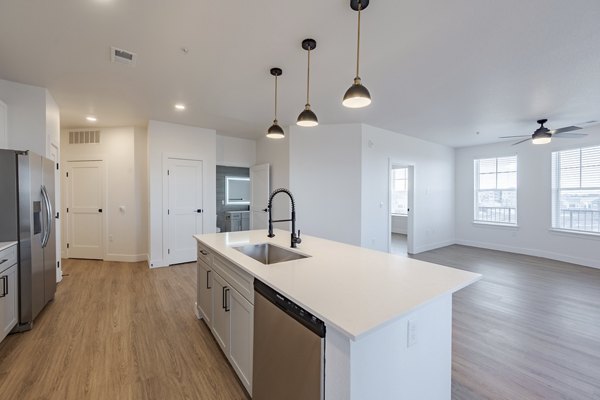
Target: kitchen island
[(388, 317)]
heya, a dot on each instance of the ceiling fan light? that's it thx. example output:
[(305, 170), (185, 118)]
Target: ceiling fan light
[(357, 96), (541, 140), (307, 118), (275, 131)]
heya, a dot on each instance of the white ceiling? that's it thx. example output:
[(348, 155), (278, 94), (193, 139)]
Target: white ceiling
[(438, 70)]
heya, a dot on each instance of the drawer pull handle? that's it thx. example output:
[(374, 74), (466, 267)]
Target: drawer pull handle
[(3, 261), (227, 300), (204, 253), (208, 280), (4, 286)]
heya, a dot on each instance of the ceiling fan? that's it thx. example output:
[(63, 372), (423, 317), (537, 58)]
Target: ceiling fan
[(543, 135)]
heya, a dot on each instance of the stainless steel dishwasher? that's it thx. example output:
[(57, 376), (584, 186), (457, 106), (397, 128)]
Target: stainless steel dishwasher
[(289, 344)]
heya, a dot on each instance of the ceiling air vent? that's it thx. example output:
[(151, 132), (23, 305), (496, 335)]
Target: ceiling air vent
[(84, 137), (122, 56)]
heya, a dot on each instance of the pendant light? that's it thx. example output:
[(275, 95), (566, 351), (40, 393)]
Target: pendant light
[(275, 131), (357, 96), (308, 117)]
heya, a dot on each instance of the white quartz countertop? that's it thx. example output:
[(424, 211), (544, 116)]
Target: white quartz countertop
[(353, 289), (6, 245)]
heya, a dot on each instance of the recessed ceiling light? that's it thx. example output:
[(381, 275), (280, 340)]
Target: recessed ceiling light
[(91, 118), (180, 106)]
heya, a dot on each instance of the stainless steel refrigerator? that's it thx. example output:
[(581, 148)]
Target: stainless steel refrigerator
[(27, 216)]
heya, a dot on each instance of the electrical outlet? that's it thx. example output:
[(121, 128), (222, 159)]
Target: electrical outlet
[(411, 337)]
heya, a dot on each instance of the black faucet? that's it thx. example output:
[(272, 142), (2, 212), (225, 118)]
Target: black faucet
[(295, 239)]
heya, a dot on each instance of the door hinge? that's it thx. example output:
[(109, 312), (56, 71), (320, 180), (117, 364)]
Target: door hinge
[(169, 251), (168, 212), (58, 265), (67, 174), (67, 245), (168, 172), (57, 166), (57, 215), (67, 209)]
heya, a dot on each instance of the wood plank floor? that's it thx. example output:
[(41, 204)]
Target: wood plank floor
[(118, 331), (530, 329)]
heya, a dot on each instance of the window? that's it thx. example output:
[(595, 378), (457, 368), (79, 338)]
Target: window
[(576, 189), (496, 190), (400, 191)]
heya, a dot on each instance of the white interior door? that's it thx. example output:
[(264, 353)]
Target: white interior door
[(259, 196), (85, 203), (184, 209)]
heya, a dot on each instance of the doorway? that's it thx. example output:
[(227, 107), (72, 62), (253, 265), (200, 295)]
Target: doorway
[(184, 209), (85, 205), (401, 209), (260, 191)]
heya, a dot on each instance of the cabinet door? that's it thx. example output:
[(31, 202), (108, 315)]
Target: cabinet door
[(8, 303), (204, 288), (242, 337), (245, 222), (221, 314)]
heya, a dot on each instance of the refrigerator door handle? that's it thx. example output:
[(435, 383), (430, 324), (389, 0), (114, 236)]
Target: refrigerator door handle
[(49, 213)]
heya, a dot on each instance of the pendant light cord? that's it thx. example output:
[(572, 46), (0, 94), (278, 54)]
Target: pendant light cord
[(308, 79), (275, 97), (358, 40)]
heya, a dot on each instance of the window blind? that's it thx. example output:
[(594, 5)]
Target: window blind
[(496, 190), (576, 189)]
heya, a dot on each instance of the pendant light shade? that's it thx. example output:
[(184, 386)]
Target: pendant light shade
[(357, 96), (275, 131), (307, 117)]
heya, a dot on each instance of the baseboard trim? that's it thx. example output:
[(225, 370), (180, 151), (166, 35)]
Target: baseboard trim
[(126, 257), (433, 246), (586, 262)]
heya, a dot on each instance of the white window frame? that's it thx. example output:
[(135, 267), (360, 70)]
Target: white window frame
[(556, 221), (476, 176)]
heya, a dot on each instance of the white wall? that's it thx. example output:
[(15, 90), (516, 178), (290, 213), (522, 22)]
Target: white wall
[(533, 235), (235, 152), (124, 231), (26, 116), (276, 152), (140, 146), (3, 126), (325, 177), (167, 139), (399, 224), (433, 208)]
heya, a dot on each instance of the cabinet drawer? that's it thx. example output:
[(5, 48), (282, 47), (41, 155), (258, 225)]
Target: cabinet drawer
[(237, 278), (8, 258), (205, 254)]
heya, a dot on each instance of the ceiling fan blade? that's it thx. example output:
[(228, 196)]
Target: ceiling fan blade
[(508, 137), (569, 136), (565, 129), (521, 141)]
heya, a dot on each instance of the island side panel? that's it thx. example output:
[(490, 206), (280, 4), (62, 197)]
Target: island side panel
[(337, 365), (385, 366)]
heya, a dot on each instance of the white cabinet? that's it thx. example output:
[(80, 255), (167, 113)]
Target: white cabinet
[(225, 300), (204, 282), (220, 322), (8, 291), (241, 336), (237, 221)]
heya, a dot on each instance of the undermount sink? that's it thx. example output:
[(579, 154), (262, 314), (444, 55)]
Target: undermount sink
[(268, 253)]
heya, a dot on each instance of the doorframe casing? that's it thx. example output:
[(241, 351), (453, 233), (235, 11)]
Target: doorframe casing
[(410, 223), (165, 199)]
